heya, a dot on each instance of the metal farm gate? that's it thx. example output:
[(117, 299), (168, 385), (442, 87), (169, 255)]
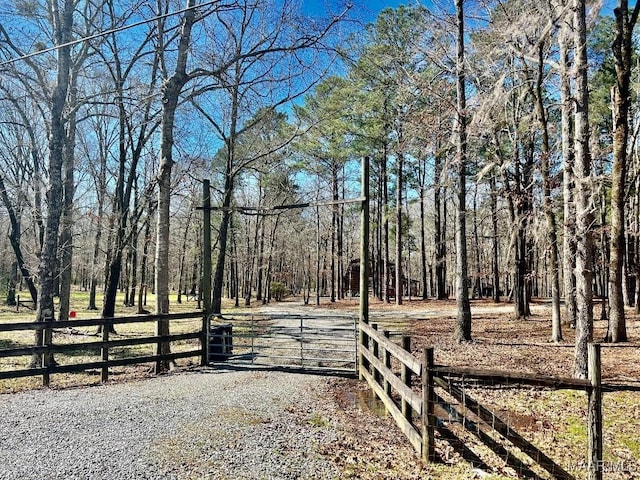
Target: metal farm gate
[(320, 343)]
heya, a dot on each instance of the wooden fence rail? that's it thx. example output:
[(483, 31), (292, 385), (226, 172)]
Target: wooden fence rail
[(393, 388), (410, 402), (46, 368)]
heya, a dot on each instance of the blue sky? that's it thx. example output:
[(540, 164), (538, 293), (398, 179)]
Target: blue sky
[(365, 10)]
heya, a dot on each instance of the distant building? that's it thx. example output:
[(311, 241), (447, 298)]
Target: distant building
[(351, 281)]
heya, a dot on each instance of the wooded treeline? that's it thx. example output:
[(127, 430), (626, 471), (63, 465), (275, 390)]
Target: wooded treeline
[(503, 149)]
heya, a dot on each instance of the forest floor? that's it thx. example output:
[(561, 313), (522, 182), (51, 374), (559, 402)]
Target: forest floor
[(553, 420), (371, 447)]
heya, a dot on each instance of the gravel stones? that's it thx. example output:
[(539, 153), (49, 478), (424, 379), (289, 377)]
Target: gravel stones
[(199, 424)]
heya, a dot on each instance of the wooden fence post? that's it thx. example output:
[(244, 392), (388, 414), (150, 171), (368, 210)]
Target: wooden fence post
[(594, 414), (363, 344), (204, 340), (158, 349), (387, 363), (47, 359), (428, 400), (105, 349), (363, 339), (376, 353), (405, 375)]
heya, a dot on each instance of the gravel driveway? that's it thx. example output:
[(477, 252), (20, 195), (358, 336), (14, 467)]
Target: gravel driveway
[(199, 424)]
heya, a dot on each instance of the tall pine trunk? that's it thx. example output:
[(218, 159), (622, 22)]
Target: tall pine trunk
[(385, 228), (622, 52), (399, 188), (495, 269), (568, 180), (584, 198), (423, 240), (439, 229), (463, 325), (334, 229), (556, 325)]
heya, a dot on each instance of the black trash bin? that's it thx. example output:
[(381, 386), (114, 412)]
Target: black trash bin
[(220, 342)]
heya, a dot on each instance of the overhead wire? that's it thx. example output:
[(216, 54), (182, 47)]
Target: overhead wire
[(255, 210), (106, 32)]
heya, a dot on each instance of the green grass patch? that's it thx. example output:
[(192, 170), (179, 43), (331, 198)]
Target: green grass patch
[(317, 420), (86, 335)]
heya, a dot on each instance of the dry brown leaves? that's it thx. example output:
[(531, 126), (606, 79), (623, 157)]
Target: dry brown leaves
[(554, 421)]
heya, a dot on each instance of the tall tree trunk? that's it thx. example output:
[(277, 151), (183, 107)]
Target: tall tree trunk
[(250, 262), (307, 280), (378, 266), (568, 177), (334, 228), (101, 186), (66, 221), (135, 233), (340, 240), (235, 275), (227, 197), (556, 324), (463, 325), (584, 198), (318, 256), (622, 53), (261, 266), (423, 240), (183, 257), (495, 268), (633, 234), (15, 212), (63, 31), (385, 221), (171, 92), (12, 280), (477, 285), (218, 274), (15, 236), (65, 241), (272, 248), (144, 265), (522, 204), (124, 281), (399, 188), (439, 229), (131, 302)]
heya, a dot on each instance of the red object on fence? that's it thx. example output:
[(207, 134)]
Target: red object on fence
[(72, 314)]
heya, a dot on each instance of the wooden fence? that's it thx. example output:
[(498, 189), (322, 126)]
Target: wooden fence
[(44, 353), (414, 412)]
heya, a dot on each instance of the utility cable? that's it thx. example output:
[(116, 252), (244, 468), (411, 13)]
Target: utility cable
[(106, 32)]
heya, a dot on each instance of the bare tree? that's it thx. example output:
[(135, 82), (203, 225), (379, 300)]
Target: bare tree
[(278, 57), (171, 91), (20, 171), (463, 325), (56, 100), (134, 107), (556, 326)]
